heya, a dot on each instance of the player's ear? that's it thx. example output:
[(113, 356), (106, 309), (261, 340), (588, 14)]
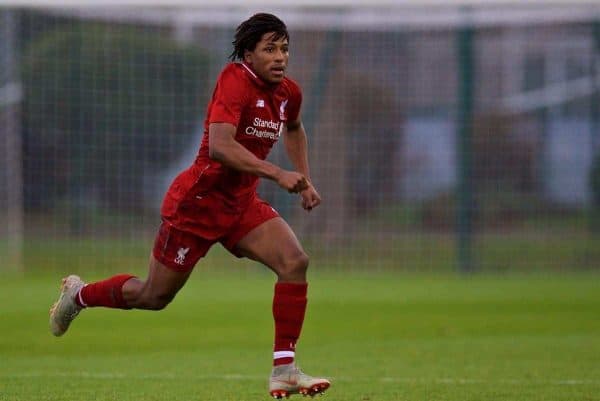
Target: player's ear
[(248, 57)]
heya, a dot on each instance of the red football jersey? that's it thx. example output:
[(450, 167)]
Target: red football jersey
[(258, 111)]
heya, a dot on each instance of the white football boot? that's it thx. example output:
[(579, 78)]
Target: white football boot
[(289, 379), (65, 309)]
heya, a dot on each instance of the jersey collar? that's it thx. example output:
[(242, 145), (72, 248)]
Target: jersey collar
[(255, 78)]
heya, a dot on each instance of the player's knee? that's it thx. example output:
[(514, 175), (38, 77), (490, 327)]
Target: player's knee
[(296, 264), (157, 301), (302, 262)]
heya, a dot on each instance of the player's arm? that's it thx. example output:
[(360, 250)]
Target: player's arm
[(226, 150), (296, 146)]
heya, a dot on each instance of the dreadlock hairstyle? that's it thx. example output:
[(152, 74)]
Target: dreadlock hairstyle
[(250, 32)]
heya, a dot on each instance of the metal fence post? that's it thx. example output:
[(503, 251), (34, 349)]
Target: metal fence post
[(464, 196), (10, 97)]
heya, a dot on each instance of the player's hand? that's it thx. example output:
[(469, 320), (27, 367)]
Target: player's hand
[(310, 198), (292, 181)]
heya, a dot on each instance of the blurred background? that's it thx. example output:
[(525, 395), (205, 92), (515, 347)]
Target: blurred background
[(458, 136)]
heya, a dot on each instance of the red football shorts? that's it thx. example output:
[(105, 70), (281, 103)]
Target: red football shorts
[(180, 250)]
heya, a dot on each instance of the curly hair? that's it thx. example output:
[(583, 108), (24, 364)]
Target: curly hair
[(250, 32)]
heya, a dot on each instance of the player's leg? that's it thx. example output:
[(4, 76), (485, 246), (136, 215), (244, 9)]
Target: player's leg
[(174, 255), (274, 244), (122, 291), (154, 293)]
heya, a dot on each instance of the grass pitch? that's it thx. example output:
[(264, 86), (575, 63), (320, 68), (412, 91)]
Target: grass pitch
[(380, 337)]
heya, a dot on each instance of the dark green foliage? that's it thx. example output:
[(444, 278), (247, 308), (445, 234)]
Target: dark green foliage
[(103, 107), (595, 182), (595, 193)]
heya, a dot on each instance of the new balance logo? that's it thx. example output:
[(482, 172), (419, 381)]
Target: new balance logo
[(260, 103), (181, 253)]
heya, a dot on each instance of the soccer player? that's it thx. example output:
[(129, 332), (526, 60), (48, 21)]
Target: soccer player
[(253, 104)]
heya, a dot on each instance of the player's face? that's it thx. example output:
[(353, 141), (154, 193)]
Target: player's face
[(269, 59)]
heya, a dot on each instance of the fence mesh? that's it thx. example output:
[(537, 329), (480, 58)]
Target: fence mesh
[(112, 109)]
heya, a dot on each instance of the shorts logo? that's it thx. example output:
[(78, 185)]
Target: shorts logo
[(181, 253)]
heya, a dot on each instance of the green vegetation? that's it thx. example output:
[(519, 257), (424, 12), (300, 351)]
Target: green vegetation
[(103, 106), (383, 336), (556, 249), (595, 192)]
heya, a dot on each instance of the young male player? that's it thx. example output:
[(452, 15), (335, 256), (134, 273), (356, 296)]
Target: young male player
[(215, 200)]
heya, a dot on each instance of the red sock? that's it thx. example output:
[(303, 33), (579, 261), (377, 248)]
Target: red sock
[(106, 293), (289, 305)]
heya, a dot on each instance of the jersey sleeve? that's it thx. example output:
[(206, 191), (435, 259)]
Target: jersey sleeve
[(229, 98), (295, 102)]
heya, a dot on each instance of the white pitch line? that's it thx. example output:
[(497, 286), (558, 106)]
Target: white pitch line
[(235, 376), (143, 376), (479, 381)]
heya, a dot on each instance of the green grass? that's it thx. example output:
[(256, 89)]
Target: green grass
[(521, 251), (380, 337)]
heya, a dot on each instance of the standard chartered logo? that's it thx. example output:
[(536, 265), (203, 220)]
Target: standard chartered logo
[(265, 129)]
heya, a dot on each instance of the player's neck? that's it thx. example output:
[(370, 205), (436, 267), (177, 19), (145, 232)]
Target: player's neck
[(257, 79)]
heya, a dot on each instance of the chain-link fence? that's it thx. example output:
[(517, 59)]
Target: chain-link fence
[(436, 139)]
